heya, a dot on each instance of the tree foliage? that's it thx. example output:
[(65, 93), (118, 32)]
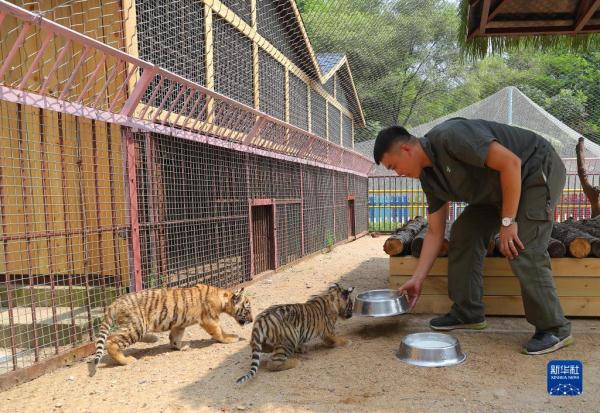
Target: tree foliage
[(408, 66)]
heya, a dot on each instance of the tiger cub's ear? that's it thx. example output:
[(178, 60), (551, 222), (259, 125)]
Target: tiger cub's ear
[(334, 286), (237, 295), (347, 292)]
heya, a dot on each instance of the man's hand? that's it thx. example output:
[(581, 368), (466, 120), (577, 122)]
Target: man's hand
[(509, 241), (413, 289)]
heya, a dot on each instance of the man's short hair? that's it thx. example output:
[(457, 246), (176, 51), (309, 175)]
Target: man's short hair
[(388, 137)]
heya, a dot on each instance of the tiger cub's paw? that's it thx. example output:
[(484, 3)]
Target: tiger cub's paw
[(342, 342), (181, 346)]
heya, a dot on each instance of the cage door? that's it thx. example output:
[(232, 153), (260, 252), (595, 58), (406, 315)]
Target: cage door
[(263, 238)]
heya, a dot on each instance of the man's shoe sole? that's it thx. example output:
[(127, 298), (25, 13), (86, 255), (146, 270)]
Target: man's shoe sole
[(567, 341), (473, 326)]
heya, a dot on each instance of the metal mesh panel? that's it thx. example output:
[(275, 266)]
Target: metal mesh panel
[(193, 213), (233, 62), (318, 116), (298, 102), (63, 231), (358, 187), (101, 21), (340, 93), (240, 8), (272, 89), (334, 125), (329, 85), (347, 138), (318, 211), (341, 207), (171, 35), (277, 24), (287, 177), (288, 230)]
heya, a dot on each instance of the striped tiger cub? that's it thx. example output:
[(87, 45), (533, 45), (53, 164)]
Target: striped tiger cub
[(171, 309), (284, 329)]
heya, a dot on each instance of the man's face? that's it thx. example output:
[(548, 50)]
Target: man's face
[(402, 159)]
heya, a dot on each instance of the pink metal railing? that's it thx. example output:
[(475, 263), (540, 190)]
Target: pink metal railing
[(247, 130)]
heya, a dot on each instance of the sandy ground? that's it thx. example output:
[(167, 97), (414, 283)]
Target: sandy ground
[(364, 377)]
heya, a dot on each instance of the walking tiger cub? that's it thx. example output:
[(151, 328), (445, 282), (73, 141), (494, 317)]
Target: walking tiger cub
[(284, 329), (171, 309)]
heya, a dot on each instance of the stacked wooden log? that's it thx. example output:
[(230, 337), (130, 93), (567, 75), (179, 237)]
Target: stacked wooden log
[(572, 238), (408, 240), (578, 239), (400, 241)]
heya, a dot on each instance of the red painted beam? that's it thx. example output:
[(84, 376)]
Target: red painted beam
[(586, 10), (133, 211)]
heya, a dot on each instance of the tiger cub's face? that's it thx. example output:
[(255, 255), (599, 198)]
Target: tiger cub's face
[(241, 309), (343, 299)]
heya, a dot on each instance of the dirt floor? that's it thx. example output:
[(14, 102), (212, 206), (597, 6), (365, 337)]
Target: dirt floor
[(364, 377)]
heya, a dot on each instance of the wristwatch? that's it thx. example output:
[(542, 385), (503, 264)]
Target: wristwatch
[(507, 221)]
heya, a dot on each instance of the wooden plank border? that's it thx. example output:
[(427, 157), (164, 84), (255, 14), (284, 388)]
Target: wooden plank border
[(500, 267), (565, 286), (16, 377)]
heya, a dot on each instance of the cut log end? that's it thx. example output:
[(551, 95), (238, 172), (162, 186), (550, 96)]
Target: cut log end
[(393, 247), (580, 248), (556, 249), (595, 249)]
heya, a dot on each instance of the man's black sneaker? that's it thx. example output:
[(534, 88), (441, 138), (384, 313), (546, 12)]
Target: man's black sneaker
[(545, 342), (449, 322)]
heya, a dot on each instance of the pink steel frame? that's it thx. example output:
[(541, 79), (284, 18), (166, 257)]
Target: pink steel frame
[(255, 136)]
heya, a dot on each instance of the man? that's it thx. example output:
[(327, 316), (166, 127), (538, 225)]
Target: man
[(511, 179)]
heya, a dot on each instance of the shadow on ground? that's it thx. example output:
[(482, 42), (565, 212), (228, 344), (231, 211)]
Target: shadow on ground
[(367, 377)]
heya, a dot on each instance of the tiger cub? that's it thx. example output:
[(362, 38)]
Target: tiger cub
[(284, 329), (171, 309)]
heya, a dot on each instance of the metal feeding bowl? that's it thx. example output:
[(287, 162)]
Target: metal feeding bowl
[(380, 303), (430, 350)]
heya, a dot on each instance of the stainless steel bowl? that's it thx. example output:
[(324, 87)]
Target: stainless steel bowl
[(430, 350), (380, 303)]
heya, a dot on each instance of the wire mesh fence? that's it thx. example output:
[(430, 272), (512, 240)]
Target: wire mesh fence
[(209, 187), (72, 213), (165, 143), (63, 255)]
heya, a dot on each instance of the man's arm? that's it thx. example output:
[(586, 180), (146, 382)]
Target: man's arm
[(509, 165), (431, 247)]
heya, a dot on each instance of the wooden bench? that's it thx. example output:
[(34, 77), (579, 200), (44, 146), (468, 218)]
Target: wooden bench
[(577, 282)]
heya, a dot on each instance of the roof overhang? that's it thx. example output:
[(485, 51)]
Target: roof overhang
[(488, 18)]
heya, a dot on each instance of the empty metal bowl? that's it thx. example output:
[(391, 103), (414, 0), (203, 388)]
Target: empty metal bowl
[(430, 350), (380, 303)]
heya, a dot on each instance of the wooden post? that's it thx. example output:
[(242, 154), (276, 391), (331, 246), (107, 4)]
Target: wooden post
[(341, 129), (250, 230), (308, 101), (326, 121), (255, 72), (275, 249), (302, 209), (131, 40), (333, 197), (133, 211), (209, 60), (286, 87)]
